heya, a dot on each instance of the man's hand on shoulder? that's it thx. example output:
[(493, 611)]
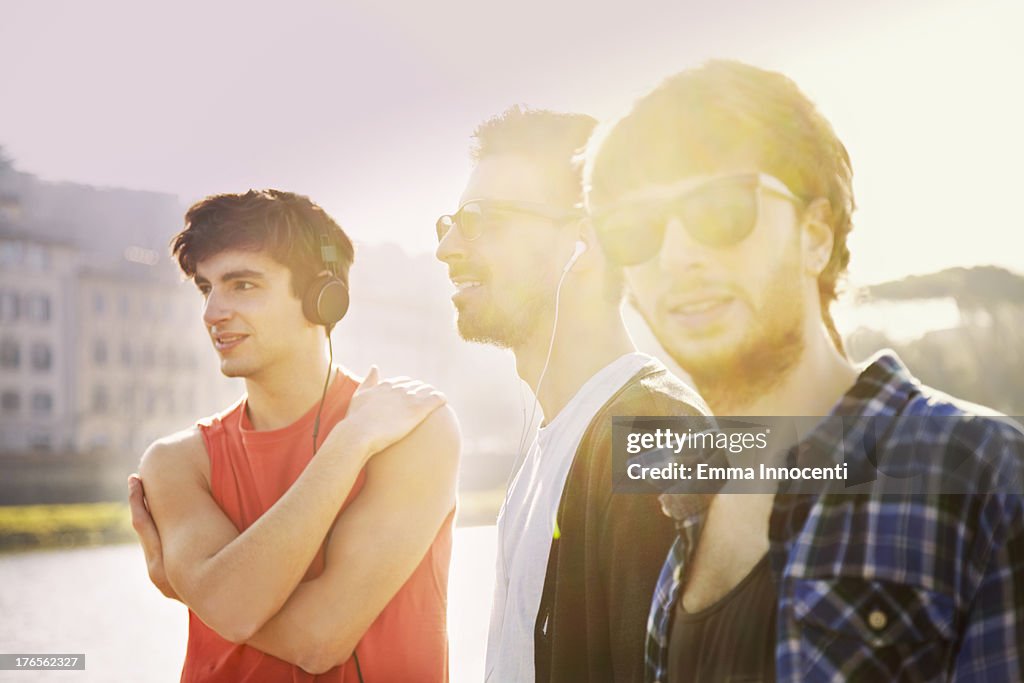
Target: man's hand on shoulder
[(385, 411)]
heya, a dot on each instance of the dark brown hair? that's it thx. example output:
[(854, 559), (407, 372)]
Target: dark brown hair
[(287, 226)]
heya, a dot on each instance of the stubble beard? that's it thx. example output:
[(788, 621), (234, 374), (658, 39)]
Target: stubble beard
[(488, 324), (732, 378), (763, 359)]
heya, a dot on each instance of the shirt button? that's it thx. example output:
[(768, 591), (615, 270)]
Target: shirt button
[(877, 620)]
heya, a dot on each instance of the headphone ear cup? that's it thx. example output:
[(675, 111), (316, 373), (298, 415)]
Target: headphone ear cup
[(326, 300)]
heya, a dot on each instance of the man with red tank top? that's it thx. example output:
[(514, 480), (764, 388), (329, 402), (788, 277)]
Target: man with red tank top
[(307, 527)]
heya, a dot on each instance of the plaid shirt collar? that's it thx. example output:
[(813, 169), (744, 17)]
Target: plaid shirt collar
[(882, 389), (881, 392)]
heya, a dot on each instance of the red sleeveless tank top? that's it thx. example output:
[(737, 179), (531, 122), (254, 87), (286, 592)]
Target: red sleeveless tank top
[(249, 471)]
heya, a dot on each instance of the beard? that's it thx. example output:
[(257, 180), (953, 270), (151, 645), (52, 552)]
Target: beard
[(506, 325), (732, 375), (758, 365)]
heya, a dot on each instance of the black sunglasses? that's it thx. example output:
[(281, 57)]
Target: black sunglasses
[(474, 217), (718, 213)]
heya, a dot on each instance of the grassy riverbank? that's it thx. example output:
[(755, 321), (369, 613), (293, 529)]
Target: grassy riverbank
[(24, 527)]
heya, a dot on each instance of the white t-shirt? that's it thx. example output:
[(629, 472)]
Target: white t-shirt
[(526, 522)]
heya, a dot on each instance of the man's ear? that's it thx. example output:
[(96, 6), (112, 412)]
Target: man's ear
[(816, 236)]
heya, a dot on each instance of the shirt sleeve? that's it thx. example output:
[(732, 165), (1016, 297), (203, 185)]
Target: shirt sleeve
[(662, 602), (993, 636)]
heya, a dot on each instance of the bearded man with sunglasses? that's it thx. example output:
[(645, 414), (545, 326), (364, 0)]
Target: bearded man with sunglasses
[(728, 197), (576, 565)]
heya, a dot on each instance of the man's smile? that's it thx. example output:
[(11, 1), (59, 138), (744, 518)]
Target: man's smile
[(225, 341), (466, 284)]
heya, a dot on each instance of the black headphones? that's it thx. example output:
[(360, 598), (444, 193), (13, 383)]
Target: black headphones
[(326, 298), (325, 303)]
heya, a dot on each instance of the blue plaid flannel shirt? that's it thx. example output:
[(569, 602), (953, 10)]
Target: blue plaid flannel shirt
[(928, 587)]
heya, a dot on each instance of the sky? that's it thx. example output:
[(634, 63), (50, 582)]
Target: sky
[(368, 106)]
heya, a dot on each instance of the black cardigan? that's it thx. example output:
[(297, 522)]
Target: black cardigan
[(602, 571)]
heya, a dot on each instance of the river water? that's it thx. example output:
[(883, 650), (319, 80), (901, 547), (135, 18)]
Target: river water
[(98, 601)]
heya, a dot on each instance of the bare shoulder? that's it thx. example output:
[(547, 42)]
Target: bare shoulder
[(442, 424), (434, 446), (176, 457), (439, 433)]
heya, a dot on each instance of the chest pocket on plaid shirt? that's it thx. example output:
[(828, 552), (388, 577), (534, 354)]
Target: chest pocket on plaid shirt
[(868, 630)]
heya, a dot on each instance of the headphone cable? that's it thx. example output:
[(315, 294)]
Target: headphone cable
[(520, 456), (316, 432), (323, 394)]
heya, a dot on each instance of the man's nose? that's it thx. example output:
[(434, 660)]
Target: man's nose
[(679, 250), (451, 247), (215, 309)]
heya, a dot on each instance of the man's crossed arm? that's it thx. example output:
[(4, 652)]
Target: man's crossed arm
[(247, 586)]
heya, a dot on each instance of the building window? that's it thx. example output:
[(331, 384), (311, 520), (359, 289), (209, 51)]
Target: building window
[(40, 441), (99, 303), (124, 306), (147, 356), (126, 354), (9, 306), (37, 308), (42, 403), (128, 399), (10, 402), (100, 399), (10, 354), (42, 359), (11, 253), (99, 352), (37, 257)]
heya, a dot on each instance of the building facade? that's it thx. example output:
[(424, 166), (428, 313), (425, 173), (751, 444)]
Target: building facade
[(36, 280)]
